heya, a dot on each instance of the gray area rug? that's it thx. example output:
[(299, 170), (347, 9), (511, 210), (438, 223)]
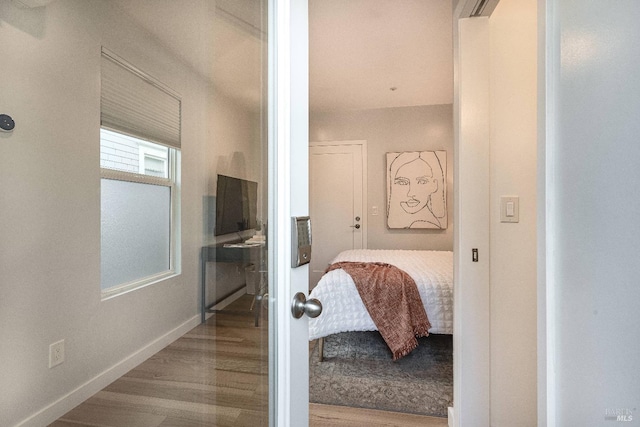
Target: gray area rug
[(358, 371)]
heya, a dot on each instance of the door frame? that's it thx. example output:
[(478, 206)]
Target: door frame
[(365, 187), (289, 159), (472, 308), (549, 65), (288, 167)]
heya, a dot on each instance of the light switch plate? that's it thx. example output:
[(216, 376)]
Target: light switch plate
[(509, 209)]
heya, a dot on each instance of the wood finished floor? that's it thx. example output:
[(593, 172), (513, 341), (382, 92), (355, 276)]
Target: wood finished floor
[(215, 375)]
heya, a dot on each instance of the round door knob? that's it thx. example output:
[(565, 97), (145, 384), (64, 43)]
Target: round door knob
[(357, 218), (357, 226), (301, 305)]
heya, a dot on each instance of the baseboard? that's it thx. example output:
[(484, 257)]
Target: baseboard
[(451, 417), (69, 401), (231, 298)]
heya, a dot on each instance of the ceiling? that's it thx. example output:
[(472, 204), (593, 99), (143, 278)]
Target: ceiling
[(362, 53), (361, 49)]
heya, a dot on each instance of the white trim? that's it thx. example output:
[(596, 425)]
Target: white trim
[(365, 191), (55, 410), (451, 416), (280, 207), (456, 136), (229, 300), (134, 177), (271, 186), (341, 142), (471, 337), (548, 70), (136, 284), (289, 165)]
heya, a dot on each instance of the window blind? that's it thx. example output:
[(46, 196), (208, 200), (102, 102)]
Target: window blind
[(136, 104)]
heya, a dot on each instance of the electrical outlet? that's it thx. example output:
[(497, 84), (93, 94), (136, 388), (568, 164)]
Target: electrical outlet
[(56, 353)]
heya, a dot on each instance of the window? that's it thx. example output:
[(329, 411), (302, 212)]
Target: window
[(139, 161)]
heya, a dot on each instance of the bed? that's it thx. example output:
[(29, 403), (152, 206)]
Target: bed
[(343, 310)]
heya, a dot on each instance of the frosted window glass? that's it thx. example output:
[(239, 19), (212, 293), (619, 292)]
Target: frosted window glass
[(136, 231)]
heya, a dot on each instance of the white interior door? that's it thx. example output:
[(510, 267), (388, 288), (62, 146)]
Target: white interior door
[(337, 201)]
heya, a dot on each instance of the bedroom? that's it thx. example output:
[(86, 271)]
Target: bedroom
[(64, 203), (404, 106)]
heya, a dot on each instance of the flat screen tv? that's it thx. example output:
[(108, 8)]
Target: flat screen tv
[(236, 205)]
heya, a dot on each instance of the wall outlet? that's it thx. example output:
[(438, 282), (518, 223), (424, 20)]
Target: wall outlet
[(56, 353)]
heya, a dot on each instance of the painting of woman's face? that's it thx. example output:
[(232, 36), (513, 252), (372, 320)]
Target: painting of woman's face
[(416, 189), (414, 183)]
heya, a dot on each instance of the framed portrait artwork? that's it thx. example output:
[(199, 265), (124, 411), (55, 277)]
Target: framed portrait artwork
[(416, 189)]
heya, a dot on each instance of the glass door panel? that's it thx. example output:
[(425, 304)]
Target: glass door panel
[(235, 252), (208, 339)]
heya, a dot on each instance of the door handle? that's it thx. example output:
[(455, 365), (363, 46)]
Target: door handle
[(357, 226), (301, 305)]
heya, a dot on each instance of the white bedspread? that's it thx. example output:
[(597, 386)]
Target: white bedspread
[(344, 311)]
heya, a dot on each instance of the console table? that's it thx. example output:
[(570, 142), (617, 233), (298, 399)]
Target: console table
[(222, 252)]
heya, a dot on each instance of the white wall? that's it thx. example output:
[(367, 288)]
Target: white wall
[(592, 177), (393, 130), (50, 200), (236, 130), (513, 53)]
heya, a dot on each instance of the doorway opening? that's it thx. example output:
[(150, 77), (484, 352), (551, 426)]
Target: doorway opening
[(382, 74)]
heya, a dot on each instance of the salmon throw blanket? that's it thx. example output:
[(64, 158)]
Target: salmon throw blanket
[(391, 297)]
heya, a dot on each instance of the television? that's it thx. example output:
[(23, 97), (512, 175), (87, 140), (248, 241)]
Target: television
[(236, 205)]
